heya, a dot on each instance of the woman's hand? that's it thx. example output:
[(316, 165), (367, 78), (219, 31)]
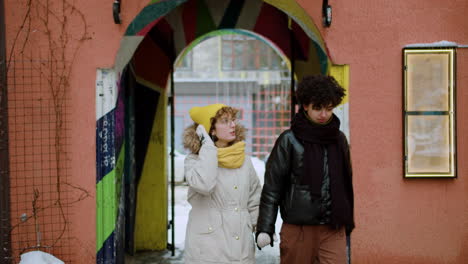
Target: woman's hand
[(264, 239), (203, 136)]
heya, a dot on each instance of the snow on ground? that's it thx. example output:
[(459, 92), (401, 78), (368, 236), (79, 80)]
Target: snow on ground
[(182, 209)]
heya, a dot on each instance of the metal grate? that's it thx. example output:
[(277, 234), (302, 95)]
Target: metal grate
[(38, 113), (5, 247), (265, 110), (272, 115)]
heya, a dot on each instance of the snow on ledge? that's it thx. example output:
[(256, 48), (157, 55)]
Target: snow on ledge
[(442, 43)]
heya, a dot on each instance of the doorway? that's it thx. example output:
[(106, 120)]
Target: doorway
[(160, 33)]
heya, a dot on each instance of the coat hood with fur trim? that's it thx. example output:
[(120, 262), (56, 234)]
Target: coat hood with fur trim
[(193, 144)]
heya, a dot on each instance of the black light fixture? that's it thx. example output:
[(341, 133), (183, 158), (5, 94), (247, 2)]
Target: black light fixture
[(116, 12), (326, 13)]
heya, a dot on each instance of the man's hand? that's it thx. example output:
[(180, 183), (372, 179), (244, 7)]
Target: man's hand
[(204, 137), (264, 239)]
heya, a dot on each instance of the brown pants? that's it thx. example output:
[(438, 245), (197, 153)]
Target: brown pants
[(312, 244)]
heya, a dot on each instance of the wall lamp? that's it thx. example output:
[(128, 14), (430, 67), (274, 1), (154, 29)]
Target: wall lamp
[(116, 12), (326, 13)]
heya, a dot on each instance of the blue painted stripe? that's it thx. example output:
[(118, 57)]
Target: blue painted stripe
[(106, 255), (323, 58), (105, 148), (151, 13)]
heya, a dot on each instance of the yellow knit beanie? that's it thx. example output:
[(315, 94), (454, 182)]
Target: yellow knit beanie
[(203, 115)]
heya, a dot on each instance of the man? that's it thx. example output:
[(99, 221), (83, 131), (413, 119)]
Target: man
[(309, 177)]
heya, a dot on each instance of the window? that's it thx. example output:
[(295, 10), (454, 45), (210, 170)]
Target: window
[(240, 52), (185, 64), (429, 112)]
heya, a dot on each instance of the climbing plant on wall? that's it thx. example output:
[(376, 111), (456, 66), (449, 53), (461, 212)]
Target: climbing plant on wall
[(40, 59)]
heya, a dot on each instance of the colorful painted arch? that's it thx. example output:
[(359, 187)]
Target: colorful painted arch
[(181, 22)]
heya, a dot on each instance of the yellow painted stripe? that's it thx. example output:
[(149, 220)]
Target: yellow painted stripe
[(151, 209), (149, 84), (341, 74)]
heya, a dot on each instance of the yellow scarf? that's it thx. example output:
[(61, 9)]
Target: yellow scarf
[(231, 157)]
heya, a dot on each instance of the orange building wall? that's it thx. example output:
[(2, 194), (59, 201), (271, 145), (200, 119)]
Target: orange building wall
[(398, 220)]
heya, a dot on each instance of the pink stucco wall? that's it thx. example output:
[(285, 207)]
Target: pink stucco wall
[(98, 51), (398, 220)]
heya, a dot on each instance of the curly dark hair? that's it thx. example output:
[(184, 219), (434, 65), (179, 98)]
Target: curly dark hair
[(320, 90)]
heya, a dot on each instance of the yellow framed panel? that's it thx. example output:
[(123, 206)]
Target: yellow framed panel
[(429, 112)]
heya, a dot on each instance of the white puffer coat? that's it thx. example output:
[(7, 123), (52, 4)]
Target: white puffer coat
[(224, 210)]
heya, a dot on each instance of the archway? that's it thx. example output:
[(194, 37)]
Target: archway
[(161, 31)]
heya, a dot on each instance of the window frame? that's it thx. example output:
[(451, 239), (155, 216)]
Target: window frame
[(450, 112), (251, 49)]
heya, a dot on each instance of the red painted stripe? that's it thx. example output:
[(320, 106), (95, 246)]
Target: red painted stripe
[(273, 25), (189, 20), (148, 27), (144, 62), (303, 41)]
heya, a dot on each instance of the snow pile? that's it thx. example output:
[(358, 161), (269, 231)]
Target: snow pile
[(179, 160), (39, 257), (259, 166)]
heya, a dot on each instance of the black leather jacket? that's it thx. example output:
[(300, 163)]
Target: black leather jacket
[(281, 189)]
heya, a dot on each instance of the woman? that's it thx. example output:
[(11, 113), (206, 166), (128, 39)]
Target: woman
[(224, 190)]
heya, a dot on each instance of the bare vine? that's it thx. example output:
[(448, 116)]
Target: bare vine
[(52, 21)]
